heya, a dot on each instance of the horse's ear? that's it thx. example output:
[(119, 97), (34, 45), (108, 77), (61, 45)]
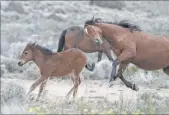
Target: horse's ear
[(85, 29), (33, 44), (29, 42)]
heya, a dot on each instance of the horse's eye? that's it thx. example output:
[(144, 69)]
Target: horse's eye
[(26, 53)]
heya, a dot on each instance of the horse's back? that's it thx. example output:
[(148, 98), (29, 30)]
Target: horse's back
[(152, 51), (152, 41), (73, 36), (73, 52), (78, 52), (74, 30)]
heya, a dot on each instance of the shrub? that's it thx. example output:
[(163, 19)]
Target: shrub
[(12, 92)]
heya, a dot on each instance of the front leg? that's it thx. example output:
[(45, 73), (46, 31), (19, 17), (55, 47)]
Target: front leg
[(107, 52), (43, 84), (122, 67), (35, 84), (99, 56), (125, 57)]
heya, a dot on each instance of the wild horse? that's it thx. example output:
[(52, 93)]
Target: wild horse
[(75, 37), (149, 52), (70, 62)]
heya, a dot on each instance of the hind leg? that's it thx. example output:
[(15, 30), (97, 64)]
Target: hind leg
[(166, 70), (77, 74), (76, 83), (75, 91), (122, 67), (77, 79), (90, 67)]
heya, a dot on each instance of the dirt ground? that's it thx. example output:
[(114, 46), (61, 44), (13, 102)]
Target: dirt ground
[(94, 96), (56, 89)]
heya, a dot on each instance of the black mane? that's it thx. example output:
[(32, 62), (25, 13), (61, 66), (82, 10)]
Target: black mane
[(123, 23), (44, 49)]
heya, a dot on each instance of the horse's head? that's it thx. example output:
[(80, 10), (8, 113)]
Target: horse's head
[(94, 33), (27, 54)]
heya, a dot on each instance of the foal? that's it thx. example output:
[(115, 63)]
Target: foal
[(51, 64)]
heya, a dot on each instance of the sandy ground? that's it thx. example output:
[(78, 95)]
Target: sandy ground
[(92, 89), (93, 96)]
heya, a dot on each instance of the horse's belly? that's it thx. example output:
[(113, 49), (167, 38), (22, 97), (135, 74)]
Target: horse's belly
[(62, 72), (150, 66), (153, 63)]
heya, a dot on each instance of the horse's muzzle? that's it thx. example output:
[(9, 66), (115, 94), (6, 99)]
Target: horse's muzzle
[(20, 63), (98, 41)]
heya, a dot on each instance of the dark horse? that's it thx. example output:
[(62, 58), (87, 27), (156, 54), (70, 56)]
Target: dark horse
[(75, 37), (126, 38)]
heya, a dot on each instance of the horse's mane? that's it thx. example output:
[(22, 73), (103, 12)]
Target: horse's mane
[(44, 49), (123, 23)]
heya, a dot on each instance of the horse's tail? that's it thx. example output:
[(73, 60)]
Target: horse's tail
[(61, 41)]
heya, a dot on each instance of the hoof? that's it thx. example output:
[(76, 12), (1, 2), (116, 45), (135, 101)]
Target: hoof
[(30, 98), (135, 87), (111, 83), (91, 67)]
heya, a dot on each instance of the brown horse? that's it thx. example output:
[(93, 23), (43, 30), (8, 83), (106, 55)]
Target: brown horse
[(51, 64), (75, 37), (149, 52)]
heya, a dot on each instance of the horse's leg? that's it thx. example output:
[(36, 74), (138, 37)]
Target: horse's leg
[(35, 84), (108, 54), (125, 56), (122, 67), (73, 88), (75, 82), (100, 53), (119, 73), (77, 74), (75, 91), (129, 84), (90, 67), (41, 88)]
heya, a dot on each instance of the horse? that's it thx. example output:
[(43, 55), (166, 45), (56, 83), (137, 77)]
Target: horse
[(51, 64), (146, 51), (75, 37)]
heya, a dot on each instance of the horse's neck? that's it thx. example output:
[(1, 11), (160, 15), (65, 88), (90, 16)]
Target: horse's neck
[(39, 57), (109, 31)]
